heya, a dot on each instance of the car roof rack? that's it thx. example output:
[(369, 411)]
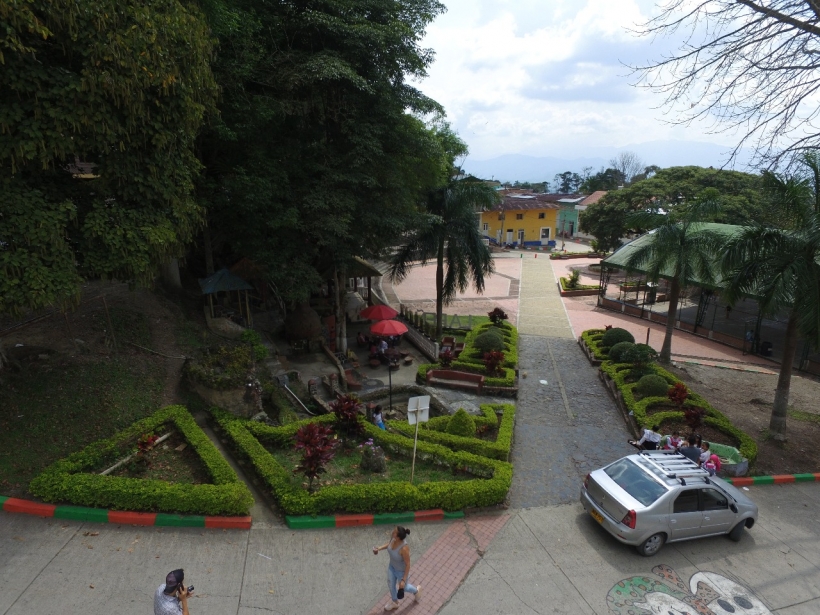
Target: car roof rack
[(674, 465)]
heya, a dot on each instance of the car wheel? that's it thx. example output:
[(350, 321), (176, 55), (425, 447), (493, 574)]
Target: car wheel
[(652, 545), (737, 531)]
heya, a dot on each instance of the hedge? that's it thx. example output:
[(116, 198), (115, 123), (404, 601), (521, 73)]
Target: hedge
[(471, 354), (592, 338), (714, 418), (433, 431), (71, 480), (507, 380), (565, 285), (375, 498)]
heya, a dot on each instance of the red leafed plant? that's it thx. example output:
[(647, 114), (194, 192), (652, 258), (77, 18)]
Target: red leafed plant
[(678, 393), (346, 409), (492, 360), (317, 448), (145, 443), (446, 358), (693, 415), (607, 327), (497, 316)]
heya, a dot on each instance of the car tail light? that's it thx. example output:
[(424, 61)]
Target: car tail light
[(586, 482), (629, 519)]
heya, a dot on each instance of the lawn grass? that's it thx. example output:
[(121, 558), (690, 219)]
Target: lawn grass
[(47, 414), (344, 469)]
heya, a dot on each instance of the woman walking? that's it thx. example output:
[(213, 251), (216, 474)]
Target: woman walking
[(399, 567)]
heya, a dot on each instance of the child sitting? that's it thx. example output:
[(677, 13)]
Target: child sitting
[(673, 442), (712, 465), (377, 418)]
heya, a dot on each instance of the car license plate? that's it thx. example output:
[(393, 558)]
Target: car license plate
[(596, 515)]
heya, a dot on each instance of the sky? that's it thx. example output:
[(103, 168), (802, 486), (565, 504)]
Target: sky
[(548, 77)]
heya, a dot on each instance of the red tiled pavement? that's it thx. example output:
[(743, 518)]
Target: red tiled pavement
[(445, 565)]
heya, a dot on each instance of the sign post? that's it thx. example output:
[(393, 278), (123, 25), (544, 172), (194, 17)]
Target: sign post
[(418, 411)]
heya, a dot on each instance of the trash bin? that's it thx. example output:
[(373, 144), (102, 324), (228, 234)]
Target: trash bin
[(765, 349)]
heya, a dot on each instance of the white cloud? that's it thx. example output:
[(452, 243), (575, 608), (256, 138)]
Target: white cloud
[(522, 77)]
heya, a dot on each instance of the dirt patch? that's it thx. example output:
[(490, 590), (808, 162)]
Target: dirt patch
[(746, 399)]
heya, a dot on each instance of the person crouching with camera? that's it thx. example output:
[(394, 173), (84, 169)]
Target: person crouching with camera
[(171, 598)]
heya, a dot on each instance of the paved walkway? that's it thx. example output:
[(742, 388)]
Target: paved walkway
[(441, 570), (566, 424)]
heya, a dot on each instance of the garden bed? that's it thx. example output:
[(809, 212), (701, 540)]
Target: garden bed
[(75, 479), (489, 485), (172, 460)]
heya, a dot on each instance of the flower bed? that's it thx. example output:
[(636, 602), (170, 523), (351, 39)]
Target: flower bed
[(490, 487), (565, 286), (641, 409), (592, 338), (72, 480), (435, 431)]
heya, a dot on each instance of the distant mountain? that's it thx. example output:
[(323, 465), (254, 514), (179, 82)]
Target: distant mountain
[(520, 167)]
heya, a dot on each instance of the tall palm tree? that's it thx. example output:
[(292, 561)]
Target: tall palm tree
[(449, 234), (680, 249), (780, 266)]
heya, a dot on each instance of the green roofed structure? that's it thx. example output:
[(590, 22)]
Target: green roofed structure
[(627, 290)]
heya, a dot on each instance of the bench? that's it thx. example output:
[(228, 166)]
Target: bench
[(353, 383), (453, 379)]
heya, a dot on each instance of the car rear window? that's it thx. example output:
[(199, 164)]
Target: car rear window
[(635, 481)]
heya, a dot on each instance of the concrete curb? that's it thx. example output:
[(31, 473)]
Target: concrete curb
[(99, 515), (324, 521), (775, 479)]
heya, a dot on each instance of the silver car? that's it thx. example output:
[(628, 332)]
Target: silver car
[(655, 497)]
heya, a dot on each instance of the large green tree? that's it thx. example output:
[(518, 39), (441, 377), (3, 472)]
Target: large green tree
[(448, 233), (320, 152), (680, 249), (122, 84), (738, 195), (780, 266)]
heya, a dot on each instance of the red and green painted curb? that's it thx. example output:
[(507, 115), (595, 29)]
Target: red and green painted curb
[(324, 521), (99, 515), (775, 479)]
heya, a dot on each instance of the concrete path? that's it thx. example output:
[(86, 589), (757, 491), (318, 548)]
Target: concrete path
[(558, 560), (566, 425)]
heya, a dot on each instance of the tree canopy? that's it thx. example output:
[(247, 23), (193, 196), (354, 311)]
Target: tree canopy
[(320, 151), (738, 195), (122, 84), (750, 65)]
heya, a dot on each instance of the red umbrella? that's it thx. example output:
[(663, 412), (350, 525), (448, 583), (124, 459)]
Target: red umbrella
[(388, 327), (378, 312)]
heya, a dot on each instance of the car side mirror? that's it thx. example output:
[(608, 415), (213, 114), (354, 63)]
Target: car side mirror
[(733, 507)]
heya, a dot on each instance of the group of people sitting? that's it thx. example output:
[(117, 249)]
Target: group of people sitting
[(695, 448)]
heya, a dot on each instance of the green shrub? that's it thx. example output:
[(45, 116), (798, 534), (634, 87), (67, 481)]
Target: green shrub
[(619, 372), (639, 355), (489, 488), (71, 479), (592, 338), (615, 335), (260, 351), (225, 367), (435, 431), (489, 340), (461, 424), (616, 353), (652, 385)]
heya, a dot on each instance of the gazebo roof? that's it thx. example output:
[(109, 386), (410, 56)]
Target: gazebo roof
[(619, 259), (223, 280)]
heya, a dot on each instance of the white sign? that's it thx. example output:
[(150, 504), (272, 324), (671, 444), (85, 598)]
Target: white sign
[(418, 409)]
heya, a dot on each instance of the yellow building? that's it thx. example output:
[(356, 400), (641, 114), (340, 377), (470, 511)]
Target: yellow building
[(522, 219)]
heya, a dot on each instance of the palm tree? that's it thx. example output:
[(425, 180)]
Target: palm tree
[(680, 249), (780, 266), (449, 234)]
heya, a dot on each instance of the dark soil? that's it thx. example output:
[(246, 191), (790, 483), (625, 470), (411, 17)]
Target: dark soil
[(165, 462), (746, 399)]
